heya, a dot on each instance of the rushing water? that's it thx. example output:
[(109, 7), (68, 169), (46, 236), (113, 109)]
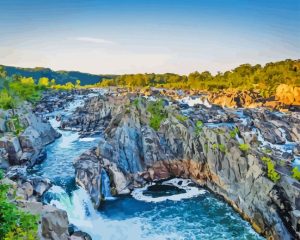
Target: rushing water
[(186, 213)]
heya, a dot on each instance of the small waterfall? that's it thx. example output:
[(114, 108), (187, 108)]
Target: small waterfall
[(78, 205), (82, 214), (105, 185)]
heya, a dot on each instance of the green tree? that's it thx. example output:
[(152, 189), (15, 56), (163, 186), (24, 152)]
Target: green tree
[(77, 85), (43, 82)]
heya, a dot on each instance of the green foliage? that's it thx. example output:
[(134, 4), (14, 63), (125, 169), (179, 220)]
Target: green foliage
[(43, 82), (206, 147), (244, 147), (14, 223), (198, 127), (67, 86), (181, 118), (296, 173), (136, 102), (6, 100), (221, 147), (158, 113), (267, 151), (272, 173), (234, 132), (25, 89)]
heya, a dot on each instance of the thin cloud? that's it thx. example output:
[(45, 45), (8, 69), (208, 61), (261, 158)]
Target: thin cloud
[(94, 40)]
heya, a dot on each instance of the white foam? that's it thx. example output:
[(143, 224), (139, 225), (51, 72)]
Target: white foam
[(191, 191), (75, 104), (82, 214), (54, 123), (87, 139), (287, 147), (192, 101), (68, 138)]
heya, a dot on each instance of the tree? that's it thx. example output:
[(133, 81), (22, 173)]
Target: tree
[(6, 101), (69, 85), (77, 83), (2, 72), (43, 82), (27, 81)]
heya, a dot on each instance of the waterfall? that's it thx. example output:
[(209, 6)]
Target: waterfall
[(82, 214), (105, 185), (77, 206)]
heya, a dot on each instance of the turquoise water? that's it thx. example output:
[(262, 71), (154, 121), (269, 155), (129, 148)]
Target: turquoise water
[(188, 215)]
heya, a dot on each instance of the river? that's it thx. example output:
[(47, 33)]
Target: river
[(192, 213)]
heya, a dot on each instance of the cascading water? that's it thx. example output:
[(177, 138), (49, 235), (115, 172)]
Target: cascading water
[(105, 185)]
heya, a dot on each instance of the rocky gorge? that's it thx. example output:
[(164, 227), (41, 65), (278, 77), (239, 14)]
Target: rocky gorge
[(144, 139), (211, 154)]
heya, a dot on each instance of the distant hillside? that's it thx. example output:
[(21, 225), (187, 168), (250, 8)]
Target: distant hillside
[(61, 77)]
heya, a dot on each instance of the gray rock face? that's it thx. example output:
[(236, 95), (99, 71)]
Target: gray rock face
[(54, 224), (88, 175), (210, 156), (25, 147)]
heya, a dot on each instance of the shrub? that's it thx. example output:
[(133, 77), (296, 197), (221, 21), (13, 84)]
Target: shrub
[(6, 100), (181, 118), (267, 151), (14, 223), (136, 102), (199, 126), (272, 173), (296, 173), (25, 89), (244, 147), (222, 148), (234, 132), (206, 147), (158, 114)]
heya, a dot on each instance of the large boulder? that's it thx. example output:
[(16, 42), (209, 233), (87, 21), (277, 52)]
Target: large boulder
[(54, 224), (88, 175)]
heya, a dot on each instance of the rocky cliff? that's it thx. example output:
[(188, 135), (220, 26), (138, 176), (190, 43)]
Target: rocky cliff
[(217, 148)]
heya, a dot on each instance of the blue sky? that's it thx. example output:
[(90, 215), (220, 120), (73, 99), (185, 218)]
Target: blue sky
[(147, 36)]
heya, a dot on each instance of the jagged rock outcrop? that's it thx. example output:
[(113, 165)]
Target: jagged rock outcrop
[(287, 94), (235, 98), (285, 97), (54, 224), (25, 137), (88, 174)]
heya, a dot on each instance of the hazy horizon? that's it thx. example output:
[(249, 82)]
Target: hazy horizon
[(114, 37)]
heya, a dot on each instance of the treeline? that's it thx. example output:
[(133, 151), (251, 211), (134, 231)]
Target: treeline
[(245, 77), (17, 88)]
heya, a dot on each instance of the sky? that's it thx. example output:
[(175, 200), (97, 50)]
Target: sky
[(139, 36)]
